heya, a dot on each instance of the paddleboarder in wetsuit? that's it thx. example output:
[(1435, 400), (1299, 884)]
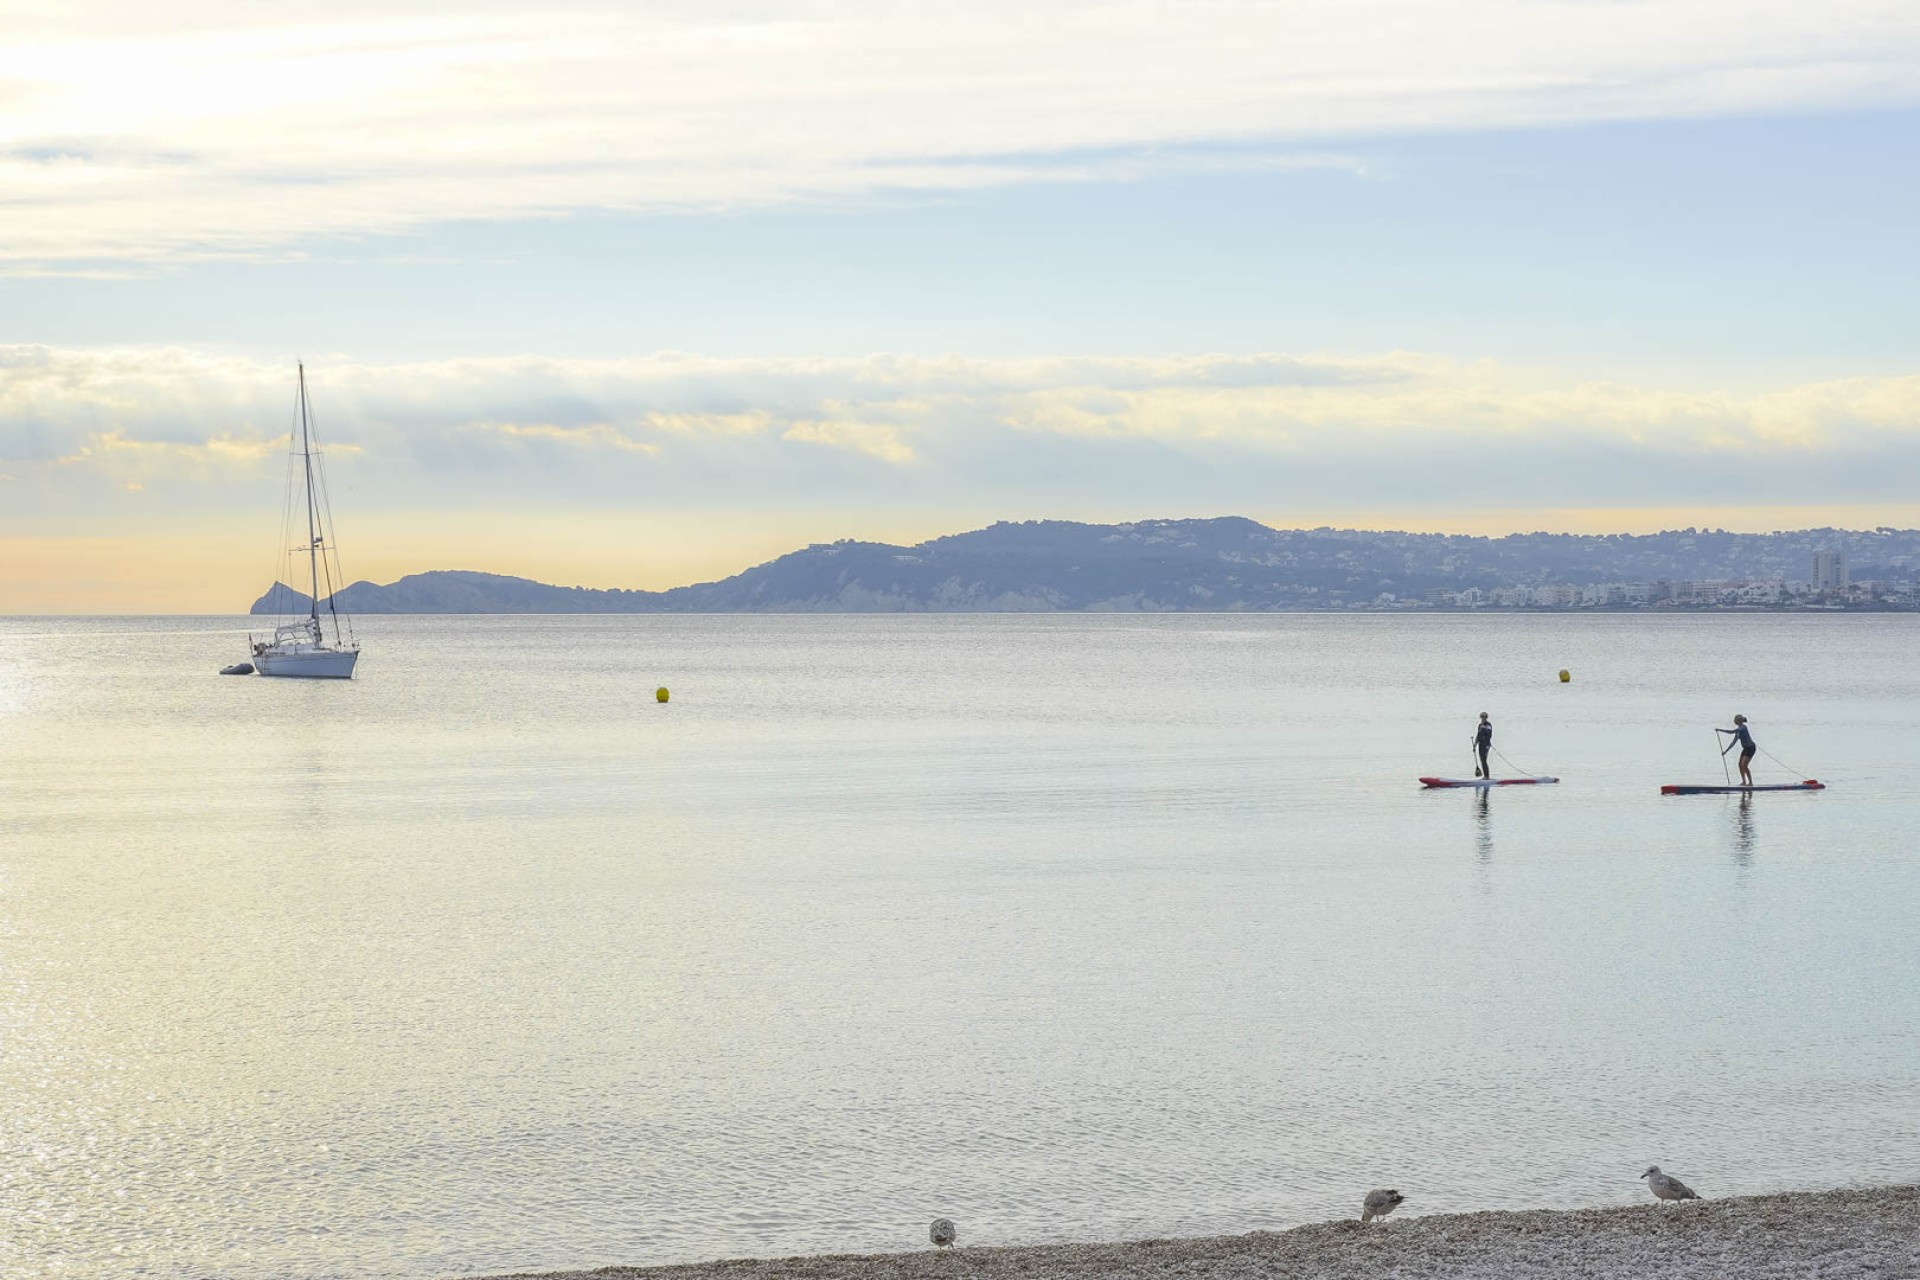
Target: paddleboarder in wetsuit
[(1483, 743), (1744, 740)]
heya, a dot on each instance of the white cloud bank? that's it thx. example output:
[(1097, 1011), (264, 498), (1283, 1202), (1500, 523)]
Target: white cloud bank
[(1028, 436), (136, 132)]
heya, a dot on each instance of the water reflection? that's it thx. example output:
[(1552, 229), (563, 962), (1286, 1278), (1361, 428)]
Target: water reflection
[(450, 971), (1483, 826), (1743, 833)]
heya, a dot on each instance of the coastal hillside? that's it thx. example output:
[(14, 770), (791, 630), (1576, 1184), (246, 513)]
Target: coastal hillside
[(1227, 563)]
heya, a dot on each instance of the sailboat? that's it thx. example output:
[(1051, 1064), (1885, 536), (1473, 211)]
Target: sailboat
[(301, 647)]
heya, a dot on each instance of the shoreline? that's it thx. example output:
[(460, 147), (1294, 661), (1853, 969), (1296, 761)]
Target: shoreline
[(1838, 1235)]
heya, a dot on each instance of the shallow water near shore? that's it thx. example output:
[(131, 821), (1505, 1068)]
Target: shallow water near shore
[(1067, 927)]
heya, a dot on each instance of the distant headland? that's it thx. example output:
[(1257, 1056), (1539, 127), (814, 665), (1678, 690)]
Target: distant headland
[(1228, 564)]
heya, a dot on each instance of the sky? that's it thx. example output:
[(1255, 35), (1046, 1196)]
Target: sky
[(638, 295)]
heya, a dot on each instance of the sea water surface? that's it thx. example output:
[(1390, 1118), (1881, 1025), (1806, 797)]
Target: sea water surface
[(1066, 927)]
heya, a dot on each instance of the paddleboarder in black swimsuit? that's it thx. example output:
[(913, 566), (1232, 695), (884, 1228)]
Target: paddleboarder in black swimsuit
[(1483, 743), (1744, 740)]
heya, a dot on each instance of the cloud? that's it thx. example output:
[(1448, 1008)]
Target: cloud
[(131, 463), (875, 439), (677, 431), (723, 424), (235, 130), (594, 435), (214, 450)]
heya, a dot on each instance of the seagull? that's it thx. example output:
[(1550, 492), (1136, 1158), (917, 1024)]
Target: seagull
[(1379, 1204), (1667, 1187), (941, 1232)]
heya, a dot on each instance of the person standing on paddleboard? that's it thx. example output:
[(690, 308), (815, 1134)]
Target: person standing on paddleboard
[(1483, 743), (1744, 740)]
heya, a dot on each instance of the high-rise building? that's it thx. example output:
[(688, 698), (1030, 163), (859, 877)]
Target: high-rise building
[(1829, 570)]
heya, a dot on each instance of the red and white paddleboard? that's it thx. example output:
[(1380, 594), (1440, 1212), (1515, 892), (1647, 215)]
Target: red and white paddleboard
[(1682, 789), (1485, 782)]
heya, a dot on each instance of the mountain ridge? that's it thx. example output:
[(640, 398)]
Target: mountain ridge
[(1221, 563)]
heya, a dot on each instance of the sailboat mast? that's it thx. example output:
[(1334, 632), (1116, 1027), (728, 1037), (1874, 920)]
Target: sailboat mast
[(313, 524)]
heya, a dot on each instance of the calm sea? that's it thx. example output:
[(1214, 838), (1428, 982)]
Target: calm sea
[(1066, 927)]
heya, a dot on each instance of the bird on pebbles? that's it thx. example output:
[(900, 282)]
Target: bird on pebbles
[(1667, 1187), (1379, 1204), (941, 1232)]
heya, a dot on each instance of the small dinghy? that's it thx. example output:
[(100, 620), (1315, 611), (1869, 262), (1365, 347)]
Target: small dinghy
[(238, 669), (1485, 782), (1683, 789)]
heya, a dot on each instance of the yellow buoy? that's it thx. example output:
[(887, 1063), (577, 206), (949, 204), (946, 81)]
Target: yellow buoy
[(1566, 677), (660, 694)]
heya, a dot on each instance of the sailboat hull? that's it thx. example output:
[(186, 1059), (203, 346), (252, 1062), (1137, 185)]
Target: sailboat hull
[(308, 664)]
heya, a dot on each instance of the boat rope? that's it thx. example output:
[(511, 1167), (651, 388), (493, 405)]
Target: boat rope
[(1777, 760), (1510, 764)]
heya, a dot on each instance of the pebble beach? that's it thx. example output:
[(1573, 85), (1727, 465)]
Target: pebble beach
[(1835, 1235)]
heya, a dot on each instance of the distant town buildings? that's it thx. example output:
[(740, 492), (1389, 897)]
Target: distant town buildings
[(1713, 593), (1684, 569)]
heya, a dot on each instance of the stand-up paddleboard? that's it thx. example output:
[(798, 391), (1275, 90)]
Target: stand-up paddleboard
[(1484, 782), (1681, 789)]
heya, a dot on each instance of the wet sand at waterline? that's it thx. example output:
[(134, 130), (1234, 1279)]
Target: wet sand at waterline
[(1837, 1235)]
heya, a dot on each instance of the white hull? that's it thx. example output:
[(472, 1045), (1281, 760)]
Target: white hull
[(309, 664)]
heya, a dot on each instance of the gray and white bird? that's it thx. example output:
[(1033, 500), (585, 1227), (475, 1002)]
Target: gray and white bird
[(1667, 1187), (941, 1232), (1379, 1204)]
